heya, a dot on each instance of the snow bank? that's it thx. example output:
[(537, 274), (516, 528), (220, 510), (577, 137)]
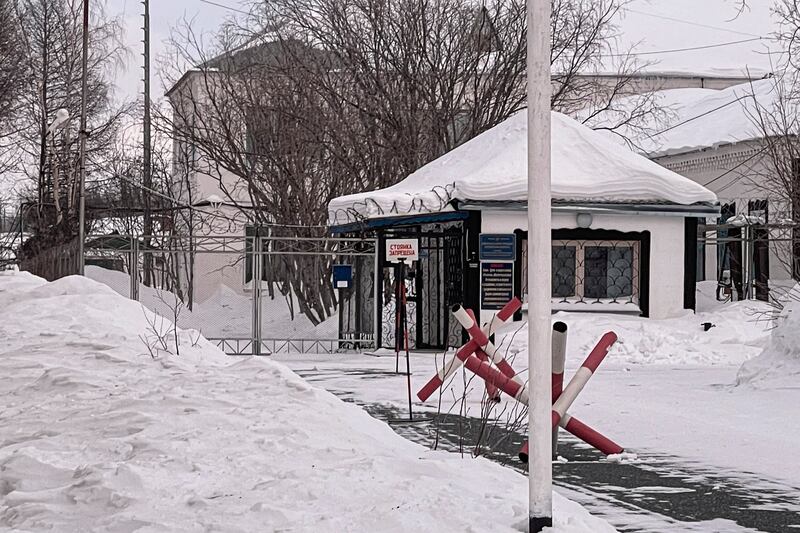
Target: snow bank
[(97, 435), (737, 335), (587, 166), (778, 365), (225, 314)]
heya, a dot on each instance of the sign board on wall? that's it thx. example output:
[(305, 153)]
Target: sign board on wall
[(402, 249), (497, 253), (342, 276), (498, 247), (497, 285)]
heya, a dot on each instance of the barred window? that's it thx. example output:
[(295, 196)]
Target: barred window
[(591, 271)]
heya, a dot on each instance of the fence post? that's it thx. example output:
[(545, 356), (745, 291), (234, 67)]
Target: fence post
[(256, 312), (134, 269), (376, 315)]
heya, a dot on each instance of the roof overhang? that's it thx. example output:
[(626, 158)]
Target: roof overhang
[(609, 208), (387, 222)]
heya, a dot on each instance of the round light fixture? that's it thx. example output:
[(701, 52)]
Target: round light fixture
[(584, 220)]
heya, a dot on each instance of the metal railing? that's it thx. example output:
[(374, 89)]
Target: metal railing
[(212, 279)]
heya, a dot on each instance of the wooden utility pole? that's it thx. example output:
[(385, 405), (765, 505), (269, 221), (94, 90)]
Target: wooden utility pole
[(147, 226), (540, 460)]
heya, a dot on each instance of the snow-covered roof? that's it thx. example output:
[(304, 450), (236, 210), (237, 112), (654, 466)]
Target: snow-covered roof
[(703, 118), (587, 166)]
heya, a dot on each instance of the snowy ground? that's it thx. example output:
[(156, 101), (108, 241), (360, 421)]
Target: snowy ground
[(667, 387), (95, 435)]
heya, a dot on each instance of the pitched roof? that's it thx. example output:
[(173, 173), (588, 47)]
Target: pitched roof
[(586, 167)]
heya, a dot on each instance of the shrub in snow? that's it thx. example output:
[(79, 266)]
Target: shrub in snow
[(780, 359)]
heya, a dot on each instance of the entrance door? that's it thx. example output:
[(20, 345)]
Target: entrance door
[(434, 284)]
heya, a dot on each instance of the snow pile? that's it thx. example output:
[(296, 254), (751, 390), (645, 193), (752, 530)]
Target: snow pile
[(778, 365), (587, 166), (225, 314), (737, 335), (98, 435)]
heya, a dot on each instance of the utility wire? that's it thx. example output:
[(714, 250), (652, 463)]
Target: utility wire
[(688, 49), (701, 115), (223, 6), (691, 23), (734, 168)]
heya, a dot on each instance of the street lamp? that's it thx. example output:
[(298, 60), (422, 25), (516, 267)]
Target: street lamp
[(62, 116)]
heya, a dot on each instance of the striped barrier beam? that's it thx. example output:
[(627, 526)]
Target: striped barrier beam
[(570, 423), (581, 377), (491, 375), (482, 340), (559, 358), (491, 391), (590, 436), (447, 370), (582, 431)]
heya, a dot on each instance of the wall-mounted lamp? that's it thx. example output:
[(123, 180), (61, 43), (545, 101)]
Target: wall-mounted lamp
[(584, 220)]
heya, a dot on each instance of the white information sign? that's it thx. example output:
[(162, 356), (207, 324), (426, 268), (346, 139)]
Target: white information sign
[(402, 249)]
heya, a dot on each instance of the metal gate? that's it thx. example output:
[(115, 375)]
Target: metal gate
[(434, 284)]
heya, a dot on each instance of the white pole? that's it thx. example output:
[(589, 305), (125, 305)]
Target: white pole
[(540, 466)]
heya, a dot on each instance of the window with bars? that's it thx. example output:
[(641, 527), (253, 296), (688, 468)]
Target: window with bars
[(592, 271)]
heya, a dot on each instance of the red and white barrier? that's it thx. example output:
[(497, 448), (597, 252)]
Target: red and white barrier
[(447, 370), (581, 377), (491, 391), (589, 435), (468, 322), (559, 359), (479, 353)]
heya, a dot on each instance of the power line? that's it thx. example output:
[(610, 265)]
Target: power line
[(701, 115), (223, 6), (734, 168), (688, 49), (691, 23)]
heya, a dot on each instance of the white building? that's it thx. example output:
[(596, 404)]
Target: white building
[(715, 138), (624, 228)]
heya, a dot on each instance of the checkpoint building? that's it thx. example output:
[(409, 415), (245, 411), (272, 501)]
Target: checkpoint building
[(624, 232)]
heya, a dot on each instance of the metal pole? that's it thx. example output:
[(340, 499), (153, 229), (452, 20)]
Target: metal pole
[(540, 466), (147, 225), (134, 269), (376, 292), (256, 322), (83, 135)]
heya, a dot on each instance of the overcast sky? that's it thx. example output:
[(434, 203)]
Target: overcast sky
[(643, 25)]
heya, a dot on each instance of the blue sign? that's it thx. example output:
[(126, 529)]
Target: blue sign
[(498, 247), (342, 276)]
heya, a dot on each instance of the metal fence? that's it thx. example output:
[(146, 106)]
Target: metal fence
[(252, 294)]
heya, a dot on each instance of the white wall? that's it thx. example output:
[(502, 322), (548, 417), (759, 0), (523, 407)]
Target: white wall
[(666, 249)]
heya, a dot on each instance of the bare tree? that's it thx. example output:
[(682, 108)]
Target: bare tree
[(307, 100), (52, 35), (776, 116), (12, 81)]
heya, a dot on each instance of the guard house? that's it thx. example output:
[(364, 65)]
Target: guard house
[(624, 231)]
